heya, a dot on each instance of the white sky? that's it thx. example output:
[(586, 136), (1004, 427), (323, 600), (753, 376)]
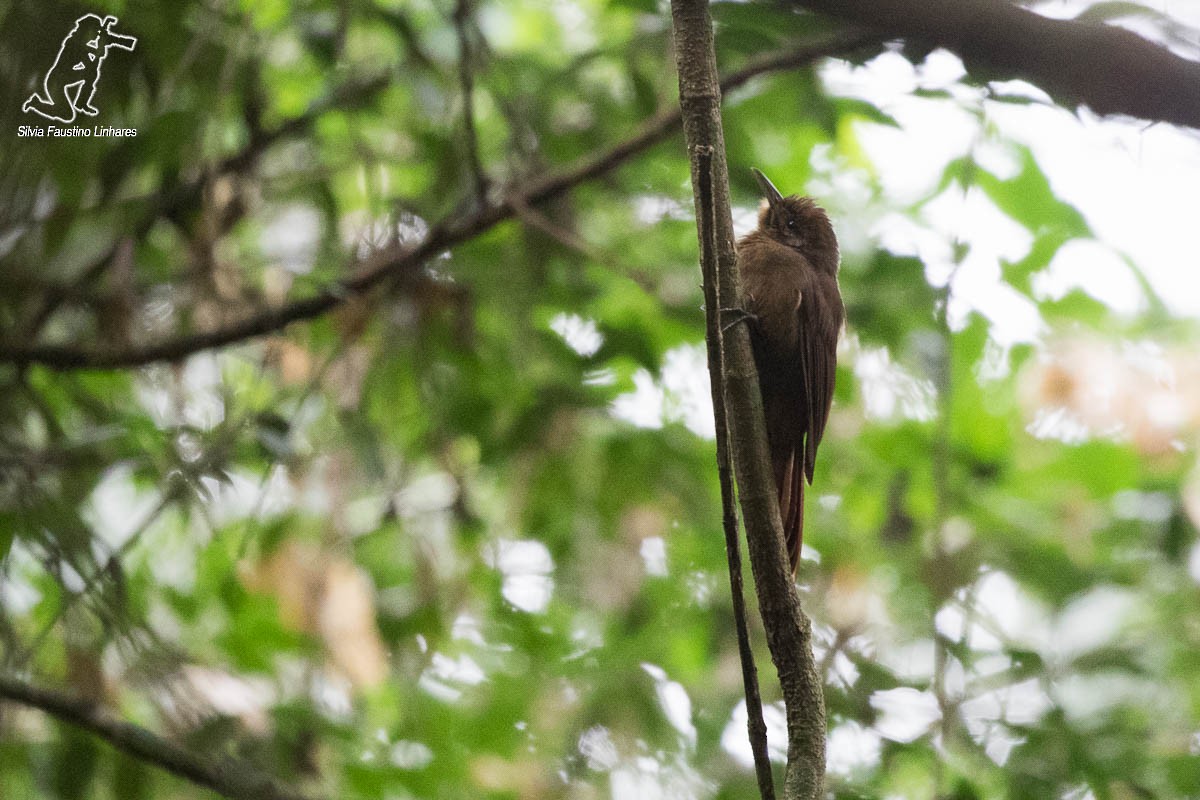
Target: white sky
[(1136, 184)]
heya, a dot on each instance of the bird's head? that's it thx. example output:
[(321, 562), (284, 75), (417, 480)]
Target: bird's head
[(799, 223)]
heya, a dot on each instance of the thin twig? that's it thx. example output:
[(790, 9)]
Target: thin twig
[(172, 494), (942, 456), (230, 778), (755, 724), (564, 236), (839, 641), (466, 82), (101, 570), (171, 198)]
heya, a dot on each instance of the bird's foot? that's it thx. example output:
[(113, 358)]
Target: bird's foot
[(738, 315)]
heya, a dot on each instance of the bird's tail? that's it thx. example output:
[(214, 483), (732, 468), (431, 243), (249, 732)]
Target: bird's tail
[(789, 477)]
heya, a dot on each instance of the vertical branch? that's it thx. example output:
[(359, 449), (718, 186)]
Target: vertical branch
[(789, 632), (941, 454), (757, 728), (940, 474), (466, 80)]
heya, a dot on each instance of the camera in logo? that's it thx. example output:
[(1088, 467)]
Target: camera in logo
[(70, 84)]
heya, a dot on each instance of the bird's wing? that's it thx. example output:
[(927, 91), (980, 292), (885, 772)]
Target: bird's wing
[(819, 323)]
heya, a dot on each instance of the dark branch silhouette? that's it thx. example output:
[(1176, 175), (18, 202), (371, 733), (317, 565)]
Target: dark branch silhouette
[(1109, 69), (227, 777), (714, 338), (466, 82), (171, 198), (395, 260)]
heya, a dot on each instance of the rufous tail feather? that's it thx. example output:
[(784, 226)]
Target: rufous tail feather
[(791, 507)]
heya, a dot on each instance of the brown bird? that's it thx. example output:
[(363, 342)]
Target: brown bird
[(789, 268)]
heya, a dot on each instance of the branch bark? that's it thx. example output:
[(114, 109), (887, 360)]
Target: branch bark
[(1111, 70), (714, 337), (232, 779), (789, 632), (393, 261)]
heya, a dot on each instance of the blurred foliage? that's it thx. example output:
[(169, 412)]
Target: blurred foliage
[(460, 537)]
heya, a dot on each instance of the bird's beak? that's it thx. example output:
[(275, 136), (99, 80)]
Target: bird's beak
[(768, 189)]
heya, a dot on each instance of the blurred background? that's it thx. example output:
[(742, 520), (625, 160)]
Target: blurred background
[(458, 535)]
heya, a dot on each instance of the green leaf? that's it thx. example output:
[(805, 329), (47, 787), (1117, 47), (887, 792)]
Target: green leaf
[(887, 298), (1029, 199)]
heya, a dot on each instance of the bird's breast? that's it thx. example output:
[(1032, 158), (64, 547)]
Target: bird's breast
[(775, 280)]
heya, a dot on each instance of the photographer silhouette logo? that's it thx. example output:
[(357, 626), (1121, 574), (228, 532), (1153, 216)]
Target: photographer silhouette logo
[(70, 84)]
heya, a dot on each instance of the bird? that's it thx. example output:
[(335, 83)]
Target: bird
[(788, 267)]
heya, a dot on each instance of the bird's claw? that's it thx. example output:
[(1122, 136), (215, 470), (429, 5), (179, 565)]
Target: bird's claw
[(739, 315)]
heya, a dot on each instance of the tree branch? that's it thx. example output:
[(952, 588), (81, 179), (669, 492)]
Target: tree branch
[(789, 632), (564, 236), (1111, 70), (756, 726), (229, 778), (462, 13), (171, 198), (395, 260)]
